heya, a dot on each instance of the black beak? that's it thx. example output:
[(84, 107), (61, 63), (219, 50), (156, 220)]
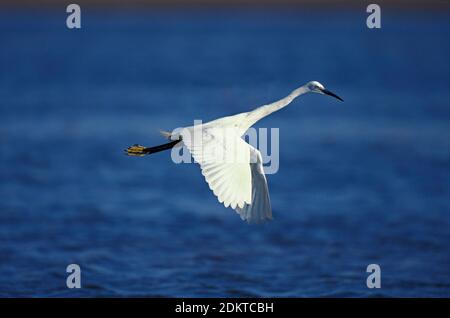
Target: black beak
[(327, 92)]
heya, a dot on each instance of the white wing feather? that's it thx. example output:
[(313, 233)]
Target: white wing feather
[(232, 168), (224, 160), (260, 209)]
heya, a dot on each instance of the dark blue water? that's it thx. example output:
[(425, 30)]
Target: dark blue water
[(367, 181)]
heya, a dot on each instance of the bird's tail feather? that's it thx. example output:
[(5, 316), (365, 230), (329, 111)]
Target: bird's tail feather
[(165, 134)]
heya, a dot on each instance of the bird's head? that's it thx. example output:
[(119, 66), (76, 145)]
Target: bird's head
[(316, 87)]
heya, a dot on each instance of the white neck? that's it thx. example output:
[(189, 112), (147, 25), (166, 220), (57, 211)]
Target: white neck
[(265, 110)]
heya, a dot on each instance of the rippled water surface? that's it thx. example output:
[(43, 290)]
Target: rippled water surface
[(361, 182)]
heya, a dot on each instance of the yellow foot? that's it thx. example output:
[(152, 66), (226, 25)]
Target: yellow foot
[(136, 150)]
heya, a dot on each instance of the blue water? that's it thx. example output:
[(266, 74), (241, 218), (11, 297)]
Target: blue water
[(361, 182)]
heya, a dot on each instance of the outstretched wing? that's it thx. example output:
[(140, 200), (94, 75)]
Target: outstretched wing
[(224, 160), (260, 209), (233, 170)]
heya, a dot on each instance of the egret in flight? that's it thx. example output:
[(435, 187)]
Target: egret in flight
[(238, 183)]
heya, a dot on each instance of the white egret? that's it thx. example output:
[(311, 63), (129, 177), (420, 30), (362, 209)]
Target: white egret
[(239, 184)]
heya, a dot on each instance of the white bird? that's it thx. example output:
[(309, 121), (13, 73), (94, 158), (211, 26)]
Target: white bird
[(232, 168)]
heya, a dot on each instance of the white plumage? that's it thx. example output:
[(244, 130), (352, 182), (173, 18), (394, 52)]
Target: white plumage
[(232, 168)]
